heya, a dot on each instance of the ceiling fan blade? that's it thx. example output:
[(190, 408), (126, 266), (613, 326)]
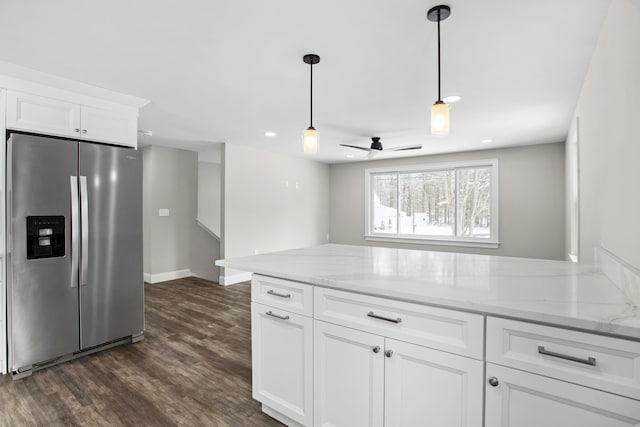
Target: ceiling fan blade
[(405, 147), (355, 146), (372, 154)]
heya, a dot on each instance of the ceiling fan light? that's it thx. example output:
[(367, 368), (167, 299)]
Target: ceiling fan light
[(440, 124), (310, 140)]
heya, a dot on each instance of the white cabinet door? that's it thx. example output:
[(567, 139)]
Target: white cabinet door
[(39, 114), (348, 377), (522, 399), (430, 387), (114, 126), (282, 346)]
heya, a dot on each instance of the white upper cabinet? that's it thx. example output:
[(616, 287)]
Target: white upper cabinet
[(40, 114), (115, 126)]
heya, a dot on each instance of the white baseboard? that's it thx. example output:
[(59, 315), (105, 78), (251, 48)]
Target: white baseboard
[(234, 278), (169, 275)]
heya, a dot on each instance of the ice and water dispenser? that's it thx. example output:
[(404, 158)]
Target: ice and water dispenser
[(45, 237)]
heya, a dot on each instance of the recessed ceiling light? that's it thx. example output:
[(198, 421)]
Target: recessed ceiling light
[(487, 141), (451, 99), (269, 133)]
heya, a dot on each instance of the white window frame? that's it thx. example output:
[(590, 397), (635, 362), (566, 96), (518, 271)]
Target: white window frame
[(492, 242)]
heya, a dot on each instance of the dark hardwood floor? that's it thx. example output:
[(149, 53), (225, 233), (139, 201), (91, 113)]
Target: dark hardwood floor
[(192, 369)]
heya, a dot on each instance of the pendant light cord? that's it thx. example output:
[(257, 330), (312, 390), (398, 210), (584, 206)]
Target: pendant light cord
[(311, 97), (439, 97)]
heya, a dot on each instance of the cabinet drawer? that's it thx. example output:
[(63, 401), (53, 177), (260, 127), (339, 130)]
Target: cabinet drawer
[(605, 363), (449, 330), (285, 294)]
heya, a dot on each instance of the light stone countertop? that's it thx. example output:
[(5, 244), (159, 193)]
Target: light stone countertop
[(552, 292)]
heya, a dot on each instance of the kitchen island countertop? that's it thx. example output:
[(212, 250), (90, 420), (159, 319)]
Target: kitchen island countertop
[(552, 292)]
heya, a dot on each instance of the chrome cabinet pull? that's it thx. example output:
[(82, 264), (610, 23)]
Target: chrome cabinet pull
[(376, 349), (276, 294), (84, 131), (493, 381), (591, 361), (277, 316), (388, 319), (388, 353), (77, 130)]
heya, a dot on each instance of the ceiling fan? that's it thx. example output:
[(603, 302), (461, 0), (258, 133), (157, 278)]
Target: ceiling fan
[(376, 146)]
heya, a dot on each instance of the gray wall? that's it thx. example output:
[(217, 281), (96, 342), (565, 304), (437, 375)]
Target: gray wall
[(209, 203), (205, 249), (170, 182), (174, 244), (608, 110), (261, 213), (531, 211)]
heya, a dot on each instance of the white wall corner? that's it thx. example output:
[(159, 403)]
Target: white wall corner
[(234, 278), (169, 275)]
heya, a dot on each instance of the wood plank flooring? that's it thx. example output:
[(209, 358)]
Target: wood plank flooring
[(192, 369)]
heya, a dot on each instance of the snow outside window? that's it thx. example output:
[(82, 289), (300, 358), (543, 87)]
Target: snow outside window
[(438, 203)]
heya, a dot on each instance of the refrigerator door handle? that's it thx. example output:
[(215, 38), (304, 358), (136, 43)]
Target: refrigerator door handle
[(84, 216), (74, 231)]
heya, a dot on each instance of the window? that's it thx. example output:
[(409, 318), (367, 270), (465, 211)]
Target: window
[(452, 203)]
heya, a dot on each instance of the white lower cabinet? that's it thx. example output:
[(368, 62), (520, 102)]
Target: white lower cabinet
[(426, 387), (517, 398), (329, 358), (348, 377), (364, 379), (282, 357)]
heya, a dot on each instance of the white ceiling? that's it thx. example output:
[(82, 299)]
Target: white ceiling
[(227, 71)]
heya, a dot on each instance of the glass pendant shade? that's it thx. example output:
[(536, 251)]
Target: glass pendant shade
[(310, 140), (440, 119)]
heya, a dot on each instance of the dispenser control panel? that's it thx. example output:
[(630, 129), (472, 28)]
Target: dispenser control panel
[(45, 237)]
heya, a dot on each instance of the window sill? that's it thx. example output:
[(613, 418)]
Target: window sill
[(423, 241)]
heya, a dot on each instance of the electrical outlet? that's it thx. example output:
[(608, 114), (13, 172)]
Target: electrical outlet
[(163, 212)]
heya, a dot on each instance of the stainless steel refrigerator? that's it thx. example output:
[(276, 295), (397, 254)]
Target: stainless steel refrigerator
[(74, 248)]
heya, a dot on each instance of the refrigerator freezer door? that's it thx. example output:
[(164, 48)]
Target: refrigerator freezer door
[(111, 301), (43, 303)]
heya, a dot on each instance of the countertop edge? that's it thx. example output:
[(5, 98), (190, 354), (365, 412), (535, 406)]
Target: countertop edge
[(582, 324)]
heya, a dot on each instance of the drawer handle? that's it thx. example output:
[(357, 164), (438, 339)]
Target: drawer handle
[(277, 316), (276, 294), (590, 361), (388, 319)]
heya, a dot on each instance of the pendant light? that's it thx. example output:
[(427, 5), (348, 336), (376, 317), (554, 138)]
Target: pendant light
[(311, 134), (439, 110)]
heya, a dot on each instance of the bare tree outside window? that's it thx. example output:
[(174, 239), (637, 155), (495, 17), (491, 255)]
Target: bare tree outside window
[(450, 203)]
